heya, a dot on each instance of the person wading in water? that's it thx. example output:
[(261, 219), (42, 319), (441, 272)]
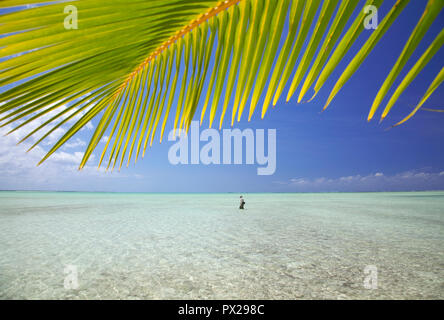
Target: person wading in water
[(242, 203)]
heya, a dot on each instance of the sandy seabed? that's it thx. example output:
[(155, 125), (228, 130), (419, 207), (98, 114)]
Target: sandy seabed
[(200, 246)]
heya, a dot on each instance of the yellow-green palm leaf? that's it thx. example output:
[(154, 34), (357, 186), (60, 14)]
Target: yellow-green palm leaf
[(132, 62)]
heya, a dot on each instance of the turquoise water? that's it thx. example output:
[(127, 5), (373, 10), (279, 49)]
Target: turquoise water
[(200, 246)]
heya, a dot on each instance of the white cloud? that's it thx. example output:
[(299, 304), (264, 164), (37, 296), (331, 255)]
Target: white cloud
[(57, 132), (379, 174), (77, 143), (18, 168), (404, 181), (61, 156), (54, 136), (298, 181)]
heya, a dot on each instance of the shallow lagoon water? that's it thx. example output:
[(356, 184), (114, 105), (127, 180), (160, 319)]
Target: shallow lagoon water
[(200, 246)]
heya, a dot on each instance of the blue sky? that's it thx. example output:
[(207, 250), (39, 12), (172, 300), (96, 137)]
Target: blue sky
[(336, 150)]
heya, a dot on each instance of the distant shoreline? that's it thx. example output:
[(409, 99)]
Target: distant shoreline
[(226, 192)]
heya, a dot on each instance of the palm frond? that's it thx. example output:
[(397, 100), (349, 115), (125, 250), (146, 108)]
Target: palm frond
[(431, 12), (433, 110), (435, 84), (133, 62)]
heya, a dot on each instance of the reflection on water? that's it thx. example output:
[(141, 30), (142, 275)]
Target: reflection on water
[(192, 246)]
